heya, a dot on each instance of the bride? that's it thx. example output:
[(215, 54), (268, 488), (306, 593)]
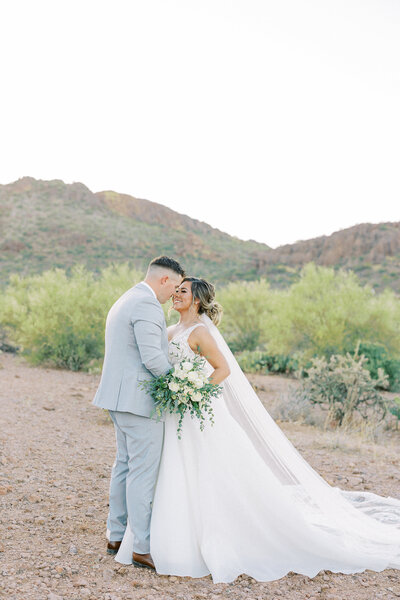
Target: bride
[(238, 497)]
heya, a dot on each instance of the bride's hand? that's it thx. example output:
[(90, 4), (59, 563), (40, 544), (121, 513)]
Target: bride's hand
[(202, 342)]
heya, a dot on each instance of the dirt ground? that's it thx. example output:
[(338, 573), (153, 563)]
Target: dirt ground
[(55, 461)]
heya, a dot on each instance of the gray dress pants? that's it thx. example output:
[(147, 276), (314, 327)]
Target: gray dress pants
[(134, 477)]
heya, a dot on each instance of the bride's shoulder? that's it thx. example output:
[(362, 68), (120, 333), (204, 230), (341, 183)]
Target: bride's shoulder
[(170, 331), (199, 334)]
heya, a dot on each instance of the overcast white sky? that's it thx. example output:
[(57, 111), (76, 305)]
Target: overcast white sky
[(274, 120)]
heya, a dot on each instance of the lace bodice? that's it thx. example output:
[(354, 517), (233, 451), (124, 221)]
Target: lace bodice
[(178, 347)]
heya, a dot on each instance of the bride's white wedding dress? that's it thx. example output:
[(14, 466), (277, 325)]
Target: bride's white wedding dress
[(238, 498)]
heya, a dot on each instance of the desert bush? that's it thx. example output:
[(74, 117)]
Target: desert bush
[(319, 313), (344, 387), (294, 407), (5, 345), (261, 362), (59, 319), (378, 358), (248, 306), (328, 312), (394, 408)]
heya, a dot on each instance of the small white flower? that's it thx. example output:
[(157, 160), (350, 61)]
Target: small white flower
[(173, 386), (196, 397), (198, 383), (187, 389)]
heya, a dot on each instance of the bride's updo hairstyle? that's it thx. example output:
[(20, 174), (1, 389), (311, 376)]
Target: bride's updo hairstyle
[(204, 292)]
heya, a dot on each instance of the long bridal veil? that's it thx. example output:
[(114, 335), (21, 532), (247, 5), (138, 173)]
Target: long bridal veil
[(362, 522)]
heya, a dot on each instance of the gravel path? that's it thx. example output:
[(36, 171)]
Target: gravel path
[(55, 460)]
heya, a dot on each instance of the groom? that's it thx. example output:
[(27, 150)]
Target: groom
[(136, 349)]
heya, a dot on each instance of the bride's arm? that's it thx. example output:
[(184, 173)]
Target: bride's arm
[(203, 343)]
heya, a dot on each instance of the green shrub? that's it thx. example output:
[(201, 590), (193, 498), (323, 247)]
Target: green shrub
[(378, 358), (261, 362), (68, 350), (248, 306), (394, 408), (59, 320), (328, 312), (344, 387)]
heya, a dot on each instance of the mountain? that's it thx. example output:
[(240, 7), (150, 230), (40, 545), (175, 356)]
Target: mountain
[(372, 251), (46, 224)]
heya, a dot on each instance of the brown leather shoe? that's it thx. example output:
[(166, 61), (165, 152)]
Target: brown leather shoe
[(113, 547), (143, 560)]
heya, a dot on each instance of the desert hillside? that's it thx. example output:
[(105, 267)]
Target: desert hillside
[(46, 224), (370, 250)]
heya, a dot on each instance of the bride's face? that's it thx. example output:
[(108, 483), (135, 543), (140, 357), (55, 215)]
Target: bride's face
[(182, 298)]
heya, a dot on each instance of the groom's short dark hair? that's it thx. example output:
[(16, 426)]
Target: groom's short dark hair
[(167, 263)]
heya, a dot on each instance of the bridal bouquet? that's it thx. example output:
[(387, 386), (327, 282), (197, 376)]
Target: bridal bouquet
[(186, 388)]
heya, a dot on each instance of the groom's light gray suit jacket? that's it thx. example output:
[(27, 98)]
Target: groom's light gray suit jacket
[(136, 349)]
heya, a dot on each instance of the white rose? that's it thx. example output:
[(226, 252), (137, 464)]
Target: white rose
[(173, 386), (186, 366), (196, 397), (181, 374), (198, 383), (178, 372), (193, 376)]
